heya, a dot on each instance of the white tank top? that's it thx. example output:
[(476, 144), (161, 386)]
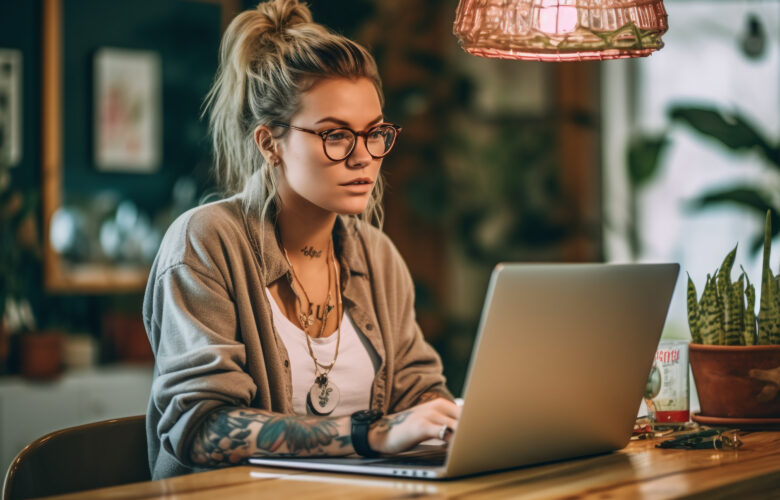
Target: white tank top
[(353, 372)]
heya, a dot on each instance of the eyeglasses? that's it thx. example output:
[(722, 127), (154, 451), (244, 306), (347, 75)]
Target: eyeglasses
[(339, 143)]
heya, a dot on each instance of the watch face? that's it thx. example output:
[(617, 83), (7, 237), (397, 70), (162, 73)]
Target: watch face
[(367, 415)]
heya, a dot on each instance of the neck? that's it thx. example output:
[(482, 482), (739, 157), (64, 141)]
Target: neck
[(306, 235)]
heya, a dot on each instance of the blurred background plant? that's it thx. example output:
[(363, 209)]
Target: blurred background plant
[(500, 194), (20, 259), (738, 134), (732, 131)]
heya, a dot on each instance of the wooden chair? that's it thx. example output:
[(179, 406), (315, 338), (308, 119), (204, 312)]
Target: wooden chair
[(90, 456)]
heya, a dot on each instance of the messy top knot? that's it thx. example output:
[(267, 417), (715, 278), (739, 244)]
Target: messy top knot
[(268, 57), (282, 14)]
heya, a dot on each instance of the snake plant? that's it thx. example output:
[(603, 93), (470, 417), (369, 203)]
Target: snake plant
[(725, 314)]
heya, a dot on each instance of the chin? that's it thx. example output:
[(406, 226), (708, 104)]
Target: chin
[(351, 208)]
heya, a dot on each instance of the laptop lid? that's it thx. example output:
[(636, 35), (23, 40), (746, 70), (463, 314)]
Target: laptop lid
[(560, 362), (558, 369)]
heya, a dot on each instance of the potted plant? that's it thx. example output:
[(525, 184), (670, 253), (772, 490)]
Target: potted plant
[(38, 353), (735, 354)]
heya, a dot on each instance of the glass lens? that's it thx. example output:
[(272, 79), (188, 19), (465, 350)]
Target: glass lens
[(380, 139), (339, 143)]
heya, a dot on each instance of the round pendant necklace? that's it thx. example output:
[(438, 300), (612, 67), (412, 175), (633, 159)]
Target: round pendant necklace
[(324, 395)]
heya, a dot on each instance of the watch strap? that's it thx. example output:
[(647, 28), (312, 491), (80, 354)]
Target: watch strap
[(361, 422)]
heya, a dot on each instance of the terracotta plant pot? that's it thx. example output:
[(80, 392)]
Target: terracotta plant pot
[(737, 381), (127, 336), (40, 354)]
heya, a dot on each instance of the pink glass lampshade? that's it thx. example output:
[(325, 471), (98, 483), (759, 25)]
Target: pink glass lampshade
[(560, 30)]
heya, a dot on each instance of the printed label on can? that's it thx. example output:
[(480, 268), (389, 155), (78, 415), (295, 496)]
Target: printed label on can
[(670, 404)]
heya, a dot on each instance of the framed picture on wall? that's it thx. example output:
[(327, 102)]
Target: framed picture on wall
[(128, 110), (10, 106), (122, 89)]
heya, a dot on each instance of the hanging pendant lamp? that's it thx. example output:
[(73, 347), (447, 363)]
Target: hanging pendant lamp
[(560, 30)]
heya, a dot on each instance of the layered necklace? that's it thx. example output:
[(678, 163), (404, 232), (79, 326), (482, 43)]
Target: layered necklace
[(323, 395)]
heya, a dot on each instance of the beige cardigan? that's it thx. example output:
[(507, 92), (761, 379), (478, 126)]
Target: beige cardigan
[(210, 324)]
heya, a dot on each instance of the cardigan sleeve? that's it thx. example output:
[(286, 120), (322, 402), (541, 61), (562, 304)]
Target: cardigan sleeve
[(417, 365), (200, 361)]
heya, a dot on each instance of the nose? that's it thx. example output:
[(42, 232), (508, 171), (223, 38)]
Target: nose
[(360, 157)]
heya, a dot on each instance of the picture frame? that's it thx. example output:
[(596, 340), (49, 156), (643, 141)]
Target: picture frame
[(127, 110), (10, 106), (185, 36)]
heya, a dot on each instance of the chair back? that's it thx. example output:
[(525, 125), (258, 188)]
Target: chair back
[(96, 455)]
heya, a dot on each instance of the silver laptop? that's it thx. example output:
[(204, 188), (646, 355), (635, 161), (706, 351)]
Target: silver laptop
[(558, 371)]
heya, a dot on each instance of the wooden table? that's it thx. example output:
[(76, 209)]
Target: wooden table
[(638, 471)]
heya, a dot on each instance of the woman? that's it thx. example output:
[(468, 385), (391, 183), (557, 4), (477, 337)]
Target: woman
[(278, 314)]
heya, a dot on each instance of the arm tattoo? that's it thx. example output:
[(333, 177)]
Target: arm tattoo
[(223, 433), (225, 437), (384, 425), (299, 434)]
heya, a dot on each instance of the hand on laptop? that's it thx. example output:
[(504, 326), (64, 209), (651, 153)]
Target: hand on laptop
[(404, 430)]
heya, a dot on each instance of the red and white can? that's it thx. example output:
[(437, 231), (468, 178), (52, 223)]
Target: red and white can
[(671, 404)]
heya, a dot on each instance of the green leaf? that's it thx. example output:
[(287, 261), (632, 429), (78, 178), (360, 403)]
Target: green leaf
[(769, 311), (724, 273), (722, 301), (711, 314), (643, 158), (758, 241), (693, 312), (770, 288), (767, 246), (747, 196), (749, 334), (774, 334), (734, 313), (730, 129), (730, 297)]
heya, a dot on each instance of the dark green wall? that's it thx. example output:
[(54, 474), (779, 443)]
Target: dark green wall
[(186, 34), (20, 23)]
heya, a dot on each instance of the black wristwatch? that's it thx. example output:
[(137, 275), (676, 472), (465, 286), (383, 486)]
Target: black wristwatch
[(361, 420)]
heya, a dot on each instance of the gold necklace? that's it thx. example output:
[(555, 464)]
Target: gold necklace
[(323, 395), (307, 318)]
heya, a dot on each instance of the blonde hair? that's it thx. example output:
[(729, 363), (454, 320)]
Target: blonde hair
[(268, 57)]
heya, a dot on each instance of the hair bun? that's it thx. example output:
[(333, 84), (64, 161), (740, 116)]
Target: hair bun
[(283, 14)]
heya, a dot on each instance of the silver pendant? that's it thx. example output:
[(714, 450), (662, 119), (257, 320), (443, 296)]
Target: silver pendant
[(323, 396)]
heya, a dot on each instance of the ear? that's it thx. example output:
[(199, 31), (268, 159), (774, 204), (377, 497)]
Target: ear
[(266, 144)]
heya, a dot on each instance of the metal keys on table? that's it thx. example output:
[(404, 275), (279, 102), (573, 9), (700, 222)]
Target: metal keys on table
[(704, 440)]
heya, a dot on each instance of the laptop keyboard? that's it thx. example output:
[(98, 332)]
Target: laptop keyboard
[(409, 462), (422, 458)]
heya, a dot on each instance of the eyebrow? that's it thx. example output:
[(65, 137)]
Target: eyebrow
[(345, 124)]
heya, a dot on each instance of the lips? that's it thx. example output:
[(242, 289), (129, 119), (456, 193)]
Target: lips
[(361, 181)]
